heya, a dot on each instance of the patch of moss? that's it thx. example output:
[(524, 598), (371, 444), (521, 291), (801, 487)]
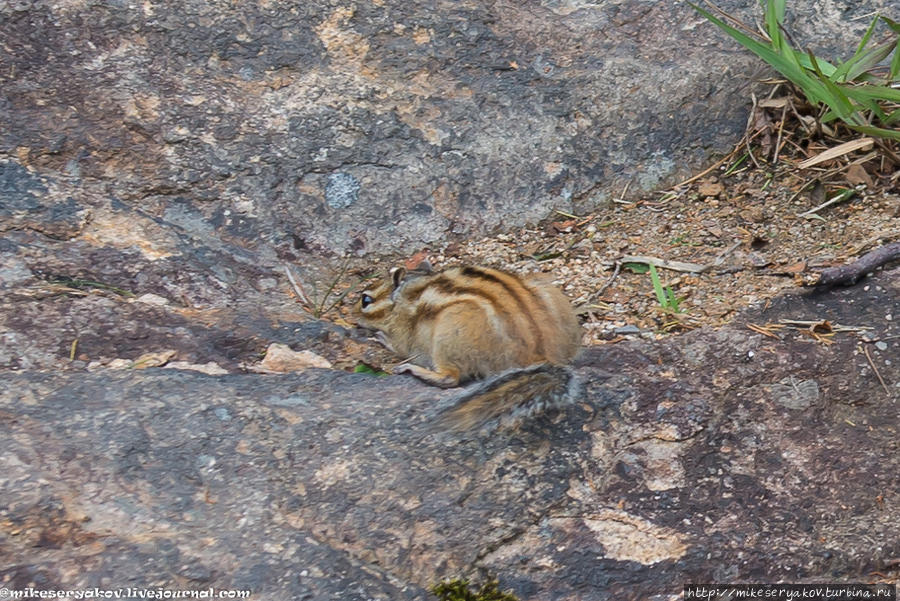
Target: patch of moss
[(362, 368), (458, 590)]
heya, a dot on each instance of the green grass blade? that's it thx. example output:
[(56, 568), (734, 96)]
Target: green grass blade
[(674, 303), (870, 79), (814, 90), (858, 65), (657, 287), (773, 26), (780, 42), (894, 25), (894, 116), (829, 116), (836, 99), (827, 68), (734, 167), (780, 6), (792, 55), (774, 16), (636, 267), (876, 110), (870, 92), (866, 37), (869, 101), (895, 63), (878, 132)]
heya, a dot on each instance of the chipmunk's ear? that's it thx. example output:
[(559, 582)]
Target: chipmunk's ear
[(397, 275)]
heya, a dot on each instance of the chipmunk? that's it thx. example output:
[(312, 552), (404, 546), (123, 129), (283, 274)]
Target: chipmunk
[(468, 323)]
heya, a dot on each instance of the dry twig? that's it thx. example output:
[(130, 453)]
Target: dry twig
[(766, 330), (875, 369), (821, 323), (297, 289), (849, 274), (610, 280)]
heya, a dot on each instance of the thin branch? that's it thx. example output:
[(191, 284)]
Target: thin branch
[(849, 274), (875, 369), (297, 289), (610, 280)]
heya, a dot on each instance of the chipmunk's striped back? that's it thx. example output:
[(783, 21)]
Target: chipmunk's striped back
[(471, 322)]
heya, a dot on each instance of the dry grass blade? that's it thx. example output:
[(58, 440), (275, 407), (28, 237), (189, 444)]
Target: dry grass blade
[(318, 305), (840, 197), (823, 338), (298, 290), (822, 324), (875, 369), (774, 103), (766, 330), (609, 282), (838, 151), (674, 324), (720, 258), (715, 166)]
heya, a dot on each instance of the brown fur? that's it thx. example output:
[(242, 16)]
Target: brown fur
[(474, 322), (471, 322)]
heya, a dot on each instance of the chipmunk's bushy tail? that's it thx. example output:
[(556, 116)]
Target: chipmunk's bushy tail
[(508, 398)]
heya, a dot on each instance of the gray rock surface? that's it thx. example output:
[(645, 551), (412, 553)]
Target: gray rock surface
[(716, 456), (369, 126), (161, 162)]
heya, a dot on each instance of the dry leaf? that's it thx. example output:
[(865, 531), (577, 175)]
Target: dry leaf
[(711, 188), (794, 268), (417, 259), (563, 226), (773, 103), (856, 175)]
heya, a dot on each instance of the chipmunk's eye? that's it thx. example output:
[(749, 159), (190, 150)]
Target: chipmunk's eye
[(365, 301)]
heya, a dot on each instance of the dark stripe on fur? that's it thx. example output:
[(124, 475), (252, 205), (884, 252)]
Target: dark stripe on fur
[(447, 286), (524, 309), (426, 312)]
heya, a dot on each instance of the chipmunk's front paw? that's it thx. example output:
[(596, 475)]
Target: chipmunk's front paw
[(405, 368), (444, 379)]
